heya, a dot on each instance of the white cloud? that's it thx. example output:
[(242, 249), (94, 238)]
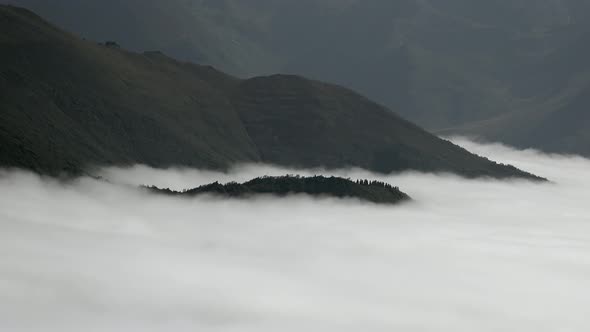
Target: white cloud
[(465, 256)]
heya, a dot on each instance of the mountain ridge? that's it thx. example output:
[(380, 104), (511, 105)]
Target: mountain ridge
[(441, 64), (70, 103)]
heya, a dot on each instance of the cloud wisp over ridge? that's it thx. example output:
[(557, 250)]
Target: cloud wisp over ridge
[(465, 255)]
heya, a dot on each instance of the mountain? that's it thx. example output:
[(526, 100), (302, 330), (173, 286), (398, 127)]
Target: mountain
[(69, 103), (561, 125), (364, 190), (559, 122), (451, 66), (224, 34)]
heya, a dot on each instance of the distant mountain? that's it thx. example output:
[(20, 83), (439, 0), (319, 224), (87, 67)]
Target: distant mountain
[(559, 125), (444, 64), (556, 120), (69, 103), (364, 190)]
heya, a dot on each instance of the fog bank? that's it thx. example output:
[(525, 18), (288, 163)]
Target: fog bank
[(466, 255)]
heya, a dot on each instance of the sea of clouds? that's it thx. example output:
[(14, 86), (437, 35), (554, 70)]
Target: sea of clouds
[(465, 255)]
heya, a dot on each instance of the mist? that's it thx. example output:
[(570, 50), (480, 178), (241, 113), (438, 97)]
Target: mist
[(465, 255)]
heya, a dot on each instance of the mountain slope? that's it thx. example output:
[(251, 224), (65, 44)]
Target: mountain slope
[(558, 126), (442, 64), (68, 103), (557, 123), (288, 115)]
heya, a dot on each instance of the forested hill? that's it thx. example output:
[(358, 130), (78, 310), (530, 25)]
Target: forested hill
[(371, 191), (69, 103)]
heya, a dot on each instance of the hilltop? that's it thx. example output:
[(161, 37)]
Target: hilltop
[(371, 191)]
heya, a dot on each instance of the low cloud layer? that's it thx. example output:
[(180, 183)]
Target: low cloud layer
[(475, 255)]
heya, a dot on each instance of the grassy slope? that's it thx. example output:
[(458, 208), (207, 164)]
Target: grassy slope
[(67, 103), (286, 115), (442, 64)]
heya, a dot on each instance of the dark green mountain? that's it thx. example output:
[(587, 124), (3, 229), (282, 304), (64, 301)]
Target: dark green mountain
[(447, 65), (68, 103), (370, 191)]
